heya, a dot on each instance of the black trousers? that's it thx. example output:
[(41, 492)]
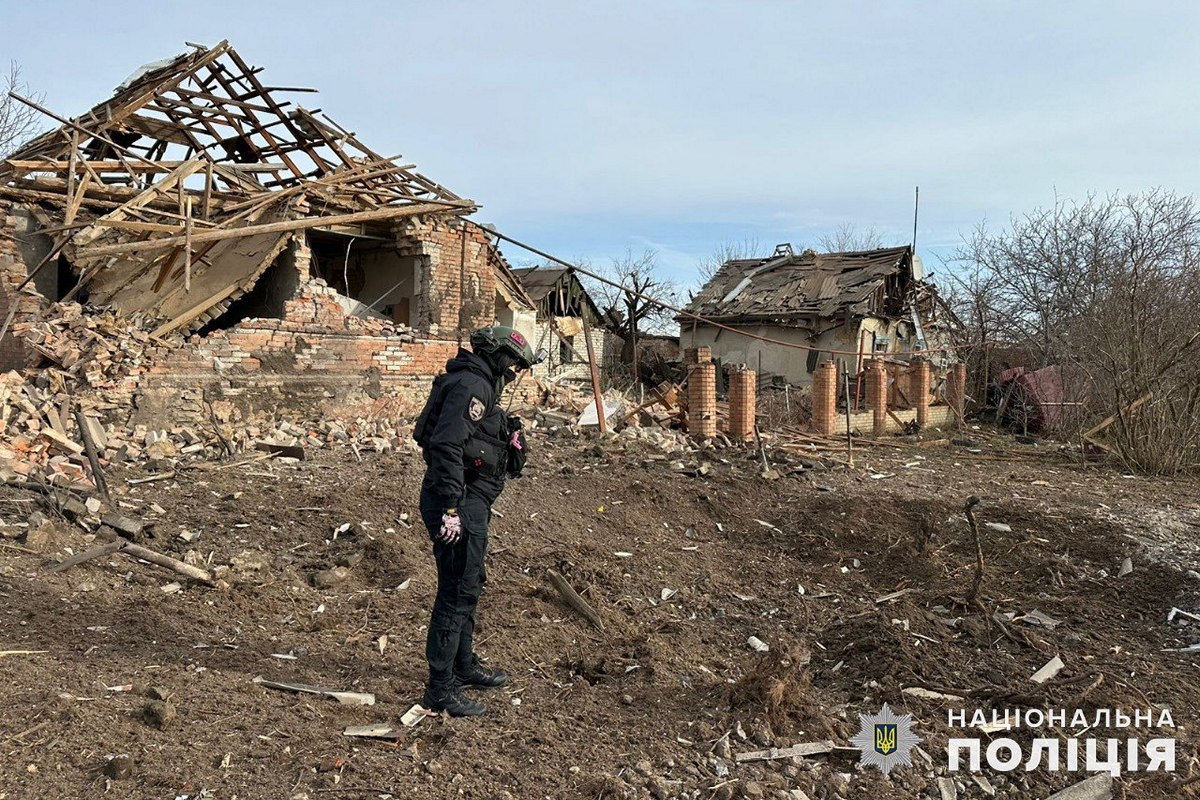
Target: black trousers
[(461, 577)]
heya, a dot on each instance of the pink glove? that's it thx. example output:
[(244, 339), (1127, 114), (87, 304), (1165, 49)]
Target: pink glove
[(516, 441), (451, 530)]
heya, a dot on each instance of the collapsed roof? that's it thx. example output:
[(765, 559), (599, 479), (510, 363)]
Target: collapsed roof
[(557, 291), (794, 289), (175, 195)]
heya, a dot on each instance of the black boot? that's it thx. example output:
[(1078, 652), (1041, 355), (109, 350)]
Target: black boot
[(480, 676), (452, 702)]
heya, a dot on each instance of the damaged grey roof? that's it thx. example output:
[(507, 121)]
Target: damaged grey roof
[(809, 284), (539, 281)]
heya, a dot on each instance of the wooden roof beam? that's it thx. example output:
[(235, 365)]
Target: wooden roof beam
[(303, 223)]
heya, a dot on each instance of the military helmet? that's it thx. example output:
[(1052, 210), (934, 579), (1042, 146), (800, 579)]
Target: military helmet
[(503, 339)]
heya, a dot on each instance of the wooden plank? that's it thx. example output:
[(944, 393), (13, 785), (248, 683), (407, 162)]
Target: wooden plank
[(187, 250), (72, 163), (173, 179), (284, 226), (595, 374), (572, 599), (89, 447), (285, 450), (1109, 420), (98, 551), (20, 167), (76, 200), (807, 749)]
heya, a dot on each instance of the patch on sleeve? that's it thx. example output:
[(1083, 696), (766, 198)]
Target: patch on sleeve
[(475, 409)]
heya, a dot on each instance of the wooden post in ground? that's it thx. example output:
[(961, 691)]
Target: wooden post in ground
[(591, 354), (849, 440)]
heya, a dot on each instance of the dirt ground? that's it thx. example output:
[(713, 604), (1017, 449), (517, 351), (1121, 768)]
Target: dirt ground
[(682, 567)]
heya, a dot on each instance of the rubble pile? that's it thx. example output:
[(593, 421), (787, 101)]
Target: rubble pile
[(93, 360), (89, 362), (97, 350)]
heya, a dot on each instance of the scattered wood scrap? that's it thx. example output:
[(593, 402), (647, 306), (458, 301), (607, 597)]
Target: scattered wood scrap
[(343, 697), (1052, 668), (139, 552), (572, 599), (374, 732), (285, 450), (771, 754), (99, 551)]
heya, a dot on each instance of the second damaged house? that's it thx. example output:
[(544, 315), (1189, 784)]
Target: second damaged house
[(567, 317), (851, 307), (198, 202)]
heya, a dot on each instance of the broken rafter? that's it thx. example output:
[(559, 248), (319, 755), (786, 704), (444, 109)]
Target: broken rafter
[(389, 212), (25, 167)]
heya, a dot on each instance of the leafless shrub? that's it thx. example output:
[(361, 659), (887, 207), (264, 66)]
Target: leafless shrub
[(629, 305), (848, 238), (777, 408), (18, 122), (728, 251), (1107, 287)]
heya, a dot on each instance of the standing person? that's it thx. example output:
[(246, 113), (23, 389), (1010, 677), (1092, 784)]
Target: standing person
[(470, 446)]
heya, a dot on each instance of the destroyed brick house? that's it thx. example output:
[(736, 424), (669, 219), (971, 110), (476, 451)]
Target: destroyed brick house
[(256, 252), (853, 306), (856, 310), (566, 318)]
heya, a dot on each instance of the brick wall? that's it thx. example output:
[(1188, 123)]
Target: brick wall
[(266, 364), (697, 355), (314, 356), (456, 287), (15, 224)]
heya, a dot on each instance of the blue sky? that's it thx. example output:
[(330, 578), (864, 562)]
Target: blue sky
[(587, 129)]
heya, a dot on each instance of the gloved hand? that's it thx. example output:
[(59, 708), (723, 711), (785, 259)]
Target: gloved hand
[(516, 442), (451, 530)]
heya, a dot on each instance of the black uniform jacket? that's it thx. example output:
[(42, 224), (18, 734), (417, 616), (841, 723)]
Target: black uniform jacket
[(463, 433)]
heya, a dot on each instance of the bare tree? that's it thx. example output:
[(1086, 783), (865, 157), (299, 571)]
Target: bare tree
[(629, 306), (848, 237), (1106, 289), (18, 122), (727, 251)]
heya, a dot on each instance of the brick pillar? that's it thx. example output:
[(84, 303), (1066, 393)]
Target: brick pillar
[(920, 390), (877, 392), (742, 390), (702, 400), (956, 389), (697, 355), (824, 398)]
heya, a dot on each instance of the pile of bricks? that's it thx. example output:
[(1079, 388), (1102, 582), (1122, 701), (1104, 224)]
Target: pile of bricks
[(83, 361), (100, 352), (317, 309)]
